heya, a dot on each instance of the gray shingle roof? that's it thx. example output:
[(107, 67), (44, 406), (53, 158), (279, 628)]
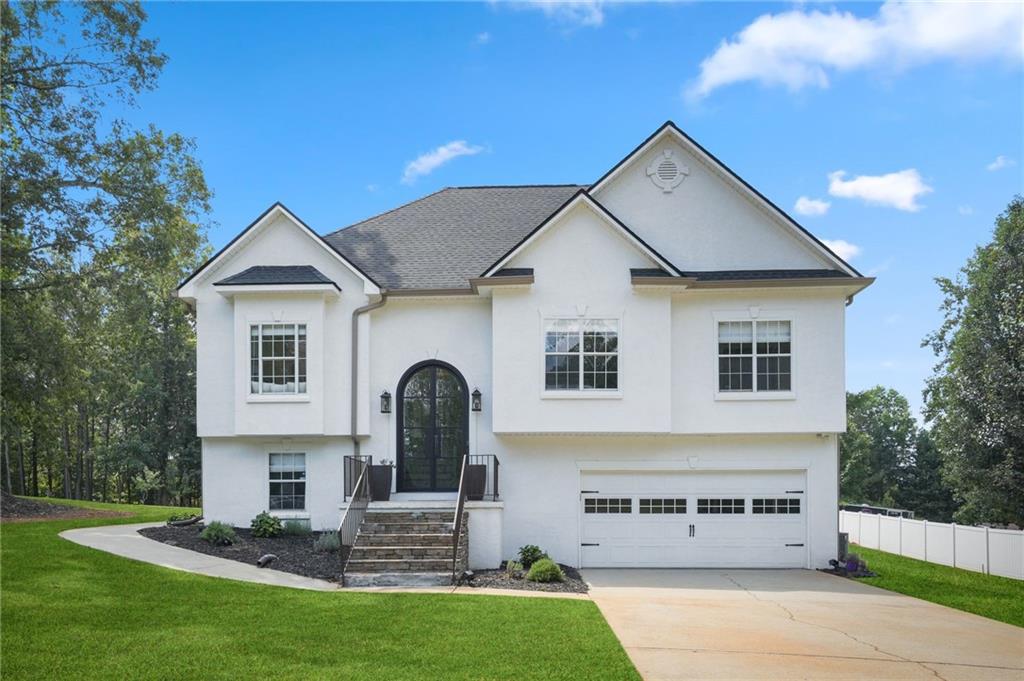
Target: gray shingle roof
[(444, 239), (263, 275)]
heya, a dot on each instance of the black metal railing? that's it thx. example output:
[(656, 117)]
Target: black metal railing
[(478, 481), (358, 502), (354, 466), (482, 477)]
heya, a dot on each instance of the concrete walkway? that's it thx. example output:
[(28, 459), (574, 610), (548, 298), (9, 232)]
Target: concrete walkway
[(125, 540), (795, 624)]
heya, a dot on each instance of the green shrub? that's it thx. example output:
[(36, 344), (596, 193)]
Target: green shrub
[(296, 528), (514, 569), (180, 516), (266, 525), (545, 570), (219, 534), (328, 542), (530, 554)]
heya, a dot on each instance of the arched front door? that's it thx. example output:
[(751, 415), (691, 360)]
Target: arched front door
[(433, 432)]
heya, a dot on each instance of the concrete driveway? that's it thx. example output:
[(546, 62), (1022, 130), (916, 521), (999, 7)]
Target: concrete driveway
[(795, 624)]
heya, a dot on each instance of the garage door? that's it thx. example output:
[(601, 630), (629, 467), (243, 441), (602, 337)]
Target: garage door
[(670, 519)]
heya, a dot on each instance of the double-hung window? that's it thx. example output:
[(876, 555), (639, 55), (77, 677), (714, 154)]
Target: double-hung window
[(755, 356), (287, 482), (277, 359), (581, 354)]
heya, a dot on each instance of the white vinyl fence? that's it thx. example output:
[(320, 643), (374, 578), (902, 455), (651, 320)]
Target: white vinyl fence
[(982, 549)]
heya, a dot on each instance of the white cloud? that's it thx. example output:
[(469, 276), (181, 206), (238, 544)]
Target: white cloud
[(1000, 163), (800, 48), (588, 13), (482, 38), (427, 163), (844, 249), (898, 190), (372, 188), (808, 206), (965, 210)]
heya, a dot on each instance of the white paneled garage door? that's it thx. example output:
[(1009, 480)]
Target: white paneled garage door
[(693, 519)]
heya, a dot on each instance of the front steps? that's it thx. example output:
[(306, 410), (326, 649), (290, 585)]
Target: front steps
[(403, 547)]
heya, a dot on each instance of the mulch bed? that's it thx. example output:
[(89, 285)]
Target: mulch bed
[(18, 510), (295, 554), (499, 579)]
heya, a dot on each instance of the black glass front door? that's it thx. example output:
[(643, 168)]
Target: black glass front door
[(433, 433)]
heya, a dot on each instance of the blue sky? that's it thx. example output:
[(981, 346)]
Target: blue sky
[(324, 107)]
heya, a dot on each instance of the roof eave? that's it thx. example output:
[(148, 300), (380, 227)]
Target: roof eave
[(330, 290), (856, 284)]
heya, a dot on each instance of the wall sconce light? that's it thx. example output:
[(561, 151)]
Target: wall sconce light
[(477, 403), (385, 402)]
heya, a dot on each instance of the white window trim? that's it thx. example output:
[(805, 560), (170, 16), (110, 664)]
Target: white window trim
[(580, 393), (252, 397), (756, 315), (286, 514)]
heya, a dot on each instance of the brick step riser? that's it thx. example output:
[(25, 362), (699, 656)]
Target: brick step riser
[(376, 539), (397, 566), (400, 552), (405, 528), (396, 517)]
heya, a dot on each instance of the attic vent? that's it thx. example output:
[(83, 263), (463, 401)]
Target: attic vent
[(665, 172)]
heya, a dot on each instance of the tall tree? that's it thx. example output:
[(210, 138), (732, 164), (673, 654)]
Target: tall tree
[(922, 488), (99, 220), (877, 446), (975, 399)]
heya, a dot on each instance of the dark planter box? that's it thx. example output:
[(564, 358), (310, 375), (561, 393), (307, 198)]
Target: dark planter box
[(380, 482), (476, 482)]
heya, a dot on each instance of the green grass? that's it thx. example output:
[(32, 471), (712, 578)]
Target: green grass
[(998, 598), (72, 612)]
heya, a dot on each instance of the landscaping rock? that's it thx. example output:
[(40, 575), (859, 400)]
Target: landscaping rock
[(293, 554), (500, 579)]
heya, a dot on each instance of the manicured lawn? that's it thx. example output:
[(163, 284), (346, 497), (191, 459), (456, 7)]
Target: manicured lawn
[(71, 612), (999, 598)]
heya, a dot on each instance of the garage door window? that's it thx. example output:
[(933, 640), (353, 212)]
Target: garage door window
[(720, 506), (775, 506), (608, 505), (656, 506)]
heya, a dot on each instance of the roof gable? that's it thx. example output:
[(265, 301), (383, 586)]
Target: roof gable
[(581, 198), (669, 131), (186, 289)]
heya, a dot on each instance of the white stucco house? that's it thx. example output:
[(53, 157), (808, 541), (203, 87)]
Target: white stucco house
[(651, 366)]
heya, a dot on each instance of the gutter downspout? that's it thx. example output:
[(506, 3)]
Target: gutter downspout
[(355, 364)]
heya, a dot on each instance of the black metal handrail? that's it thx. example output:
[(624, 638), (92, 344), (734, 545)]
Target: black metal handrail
[(482, 477), (354, 514), (478, 481), (354, 466), (457, 524)]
